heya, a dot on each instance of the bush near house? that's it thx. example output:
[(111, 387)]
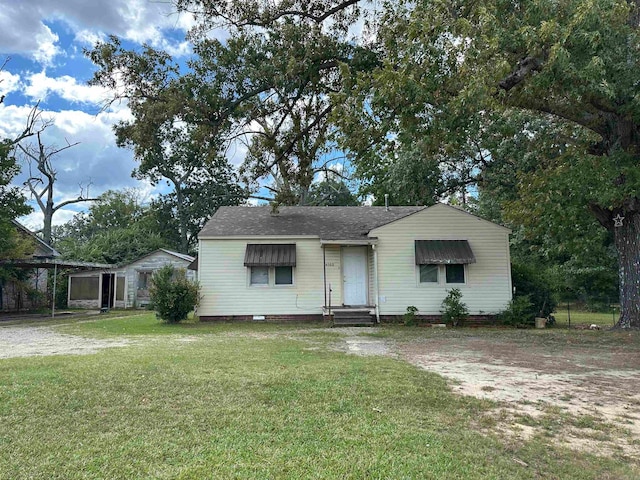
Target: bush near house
[(454, 310), (173, 296)]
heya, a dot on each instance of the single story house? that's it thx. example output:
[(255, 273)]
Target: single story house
[(126, 286), (354, 264)]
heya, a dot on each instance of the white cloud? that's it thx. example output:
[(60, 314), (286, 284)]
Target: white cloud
[(89, 37), (96, 160), (9, 82), (39, 86), (24, 30), (47, 48)]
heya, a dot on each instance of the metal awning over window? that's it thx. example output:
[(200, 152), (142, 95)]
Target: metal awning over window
[(270, 255), (443, 251)]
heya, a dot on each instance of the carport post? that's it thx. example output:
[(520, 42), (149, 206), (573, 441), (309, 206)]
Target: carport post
[(53, 294)]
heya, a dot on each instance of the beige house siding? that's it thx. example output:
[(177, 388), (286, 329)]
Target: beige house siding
[(224, 280), (488, 281)]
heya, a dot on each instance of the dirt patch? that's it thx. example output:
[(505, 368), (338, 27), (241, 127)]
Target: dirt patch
[(584, 395), (29, 341)]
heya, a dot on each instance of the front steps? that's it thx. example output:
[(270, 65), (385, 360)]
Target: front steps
[(353, 317)]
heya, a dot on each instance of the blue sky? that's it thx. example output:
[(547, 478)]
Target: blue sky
[(44, 42)]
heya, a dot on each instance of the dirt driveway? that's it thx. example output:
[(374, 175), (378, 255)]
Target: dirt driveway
[(580, 388), (29, 340)]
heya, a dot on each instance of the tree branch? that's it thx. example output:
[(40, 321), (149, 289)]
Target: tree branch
[(524, 68)]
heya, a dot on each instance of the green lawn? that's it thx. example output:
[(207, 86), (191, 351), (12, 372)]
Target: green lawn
[(210, 401), (581, 317)]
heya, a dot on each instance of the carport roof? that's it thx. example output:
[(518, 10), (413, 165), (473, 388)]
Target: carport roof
[(52, 263)]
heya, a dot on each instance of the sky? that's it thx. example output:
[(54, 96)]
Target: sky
[(43, 41)]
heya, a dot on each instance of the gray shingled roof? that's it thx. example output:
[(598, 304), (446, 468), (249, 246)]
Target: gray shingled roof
[(328, 223)]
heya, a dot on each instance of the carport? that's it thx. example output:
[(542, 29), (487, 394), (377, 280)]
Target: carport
[(53, 263)]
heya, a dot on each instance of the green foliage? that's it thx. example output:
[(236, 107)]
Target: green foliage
[(173, 296), (530, 282), (116, 230), (454, 310), (520, 312), (12, 201), (331, 192), (410, 317)]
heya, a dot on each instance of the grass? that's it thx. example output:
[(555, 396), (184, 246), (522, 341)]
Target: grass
[(227, 404), (128, 324), (581, 317)]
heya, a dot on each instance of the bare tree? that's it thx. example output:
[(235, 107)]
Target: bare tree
[(41, 185)]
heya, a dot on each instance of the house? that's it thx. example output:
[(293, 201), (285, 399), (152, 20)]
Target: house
[(125, 286), (356, 264), (27, 288)]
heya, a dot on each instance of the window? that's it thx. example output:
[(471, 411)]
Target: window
[(84, 288), (120, 288), (270, 276), (429, 273), (144, 280), (455, 273), (259, 276), (284, 275)]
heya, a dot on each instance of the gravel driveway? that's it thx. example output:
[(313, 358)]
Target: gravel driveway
[(28, 341)]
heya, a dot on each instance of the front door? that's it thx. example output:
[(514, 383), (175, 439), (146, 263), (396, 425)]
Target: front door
[(354, 269), (108, 290)]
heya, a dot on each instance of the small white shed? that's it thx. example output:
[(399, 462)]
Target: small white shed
[(126, 286)]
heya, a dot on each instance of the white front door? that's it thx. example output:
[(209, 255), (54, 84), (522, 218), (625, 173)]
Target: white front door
[(354, 269)]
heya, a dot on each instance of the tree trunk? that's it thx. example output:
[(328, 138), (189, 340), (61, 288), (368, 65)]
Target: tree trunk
[(48, 221), (627, 241), (182, 221)]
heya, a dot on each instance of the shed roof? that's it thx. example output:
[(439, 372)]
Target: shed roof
[(328, 223)]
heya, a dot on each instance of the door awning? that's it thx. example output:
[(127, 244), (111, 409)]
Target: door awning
[(443, 251), (270, 255)]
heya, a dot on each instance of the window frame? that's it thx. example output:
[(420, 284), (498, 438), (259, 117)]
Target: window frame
[(438, 275), (271, 283), (442, 275), (464, 274), (281, 285), (259, 285)]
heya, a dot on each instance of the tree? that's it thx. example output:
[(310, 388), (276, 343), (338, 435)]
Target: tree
[(271, 83), (200, 197), (331, 192), (12, 201), (201, 179), (41, 184), (452, 68), (116, 229)]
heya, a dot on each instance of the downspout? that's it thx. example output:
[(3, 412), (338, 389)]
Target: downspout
[(375, 281)]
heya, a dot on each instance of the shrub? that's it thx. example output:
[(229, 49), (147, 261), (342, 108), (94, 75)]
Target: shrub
[(520, 312), (172, 295), (410, 317), (530, 282), (454, 311)]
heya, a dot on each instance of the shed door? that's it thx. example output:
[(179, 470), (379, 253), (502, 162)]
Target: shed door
[(354, 267)]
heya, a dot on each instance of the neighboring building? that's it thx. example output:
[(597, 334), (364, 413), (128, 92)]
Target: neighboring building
[(126, 286), (310, 262), (29, 289)]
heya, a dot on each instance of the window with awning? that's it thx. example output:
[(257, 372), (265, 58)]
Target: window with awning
[(270, 255), (443, 252)]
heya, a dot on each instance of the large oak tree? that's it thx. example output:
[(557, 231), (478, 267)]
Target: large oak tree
[(452, 67)]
